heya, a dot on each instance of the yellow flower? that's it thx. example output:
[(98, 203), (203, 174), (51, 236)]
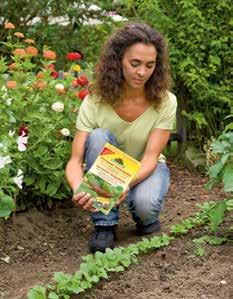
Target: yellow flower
[(76, 68)]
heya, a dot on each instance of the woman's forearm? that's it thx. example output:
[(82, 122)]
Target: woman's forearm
[(147, 167), (74, 174)]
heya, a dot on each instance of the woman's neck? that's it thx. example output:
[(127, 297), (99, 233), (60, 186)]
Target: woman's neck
[(133, 93)]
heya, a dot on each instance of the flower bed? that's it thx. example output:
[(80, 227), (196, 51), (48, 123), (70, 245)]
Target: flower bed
[(37, 121)]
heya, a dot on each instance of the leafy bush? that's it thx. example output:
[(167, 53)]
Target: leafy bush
[(222, 170), (37, 115)]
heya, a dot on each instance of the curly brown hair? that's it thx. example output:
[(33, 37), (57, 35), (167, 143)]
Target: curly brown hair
[(109, 81)]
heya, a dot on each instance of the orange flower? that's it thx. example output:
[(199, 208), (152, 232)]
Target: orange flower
[(41, 84), (29, 41), (19, 52), (40, 75), (48, 54), (12, 66), (19, 34), (32, 51), (9, 25), (11, 84), (61, 91)]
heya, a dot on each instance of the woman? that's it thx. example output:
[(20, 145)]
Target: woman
[(131, 108)]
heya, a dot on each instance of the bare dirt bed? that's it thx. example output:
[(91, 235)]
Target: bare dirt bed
[(41, 243)]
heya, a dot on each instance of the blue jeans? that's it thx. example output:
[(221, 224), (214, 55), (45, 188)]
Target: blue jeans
[(145, 200)]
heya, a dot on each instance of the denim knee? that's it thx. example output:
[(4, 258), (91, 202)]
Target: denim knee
[(145, 201), (98, 137)]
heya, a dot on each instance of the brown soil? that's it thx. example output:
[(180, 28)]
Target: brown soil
[(41, 243)]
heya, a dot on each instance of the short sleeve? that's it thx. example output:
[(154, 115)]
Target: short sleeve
[(86, 115), (167, 113)]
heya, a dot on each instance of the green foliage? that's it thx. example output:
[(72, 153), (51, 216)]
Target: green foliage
[(222, 170), (98, 266)]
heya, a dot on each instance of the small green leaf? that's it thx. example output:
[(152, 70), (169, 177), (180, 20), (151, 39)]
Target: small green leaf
[(217, 215), (38, 292), (200, 251), (7, 205), (53, 295), (119, 269), (228, 178)]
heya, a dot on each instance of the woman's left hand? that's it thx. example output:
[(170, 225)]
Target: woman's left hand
[(122, 198)]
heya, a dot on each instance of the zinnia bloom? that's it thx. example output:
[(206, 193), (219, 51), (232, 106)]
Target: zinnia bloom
[(73, 56), (12, 66), (19, 52), (32, 51), (9, 25), (19, 34), (76, 68), (54, 74), (59, 86), (48, 54), (51, 66), (11, 84), (41, 84), (40, 75), (65, 132), (29, 41), (58, 106), (83, 93), (82, 80)]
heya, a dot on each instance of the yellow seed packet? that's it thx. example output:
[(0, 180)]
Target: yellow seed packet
[(109, 177)]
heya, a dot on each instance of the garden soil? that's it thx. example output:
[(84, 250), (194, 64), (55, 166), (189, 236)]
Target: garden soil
[(39, 243)]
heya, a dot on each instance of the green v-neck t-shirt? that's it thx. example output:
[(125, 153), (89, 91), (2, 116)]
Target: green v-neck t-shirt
[(132, 136)]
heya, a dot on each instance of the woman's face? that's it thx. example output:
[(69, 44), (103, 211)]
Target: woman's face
[(138, 64)]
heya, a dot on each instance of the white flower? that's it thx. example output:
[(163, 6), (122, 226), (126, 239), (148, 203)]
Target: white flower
[(58, 106), (11, 133), (8, 101), (59, 86), (4, 160), (22, 141), (65, 132), (18, 179)]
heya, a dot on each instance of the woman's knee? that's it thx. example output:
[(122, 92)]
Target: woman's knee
[(148, 207), (100, 136)]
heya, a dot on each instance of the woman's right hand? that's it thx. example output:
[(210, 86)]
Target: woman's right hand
[(84, 201)]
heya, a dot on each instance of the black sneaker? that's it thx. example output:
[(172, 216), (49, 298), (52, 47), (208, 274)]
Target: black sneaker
[(103, 237), (142, 230)]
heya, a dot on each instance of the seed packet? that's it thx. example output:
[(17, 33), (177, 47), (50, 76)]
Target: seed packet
[(109, 177)]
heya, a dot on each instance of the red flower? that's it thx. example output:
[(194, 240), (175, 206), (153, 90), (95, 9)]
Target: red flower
[(23, 130), (82, 81), (73, 56), (54, 74), (83, 93)]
